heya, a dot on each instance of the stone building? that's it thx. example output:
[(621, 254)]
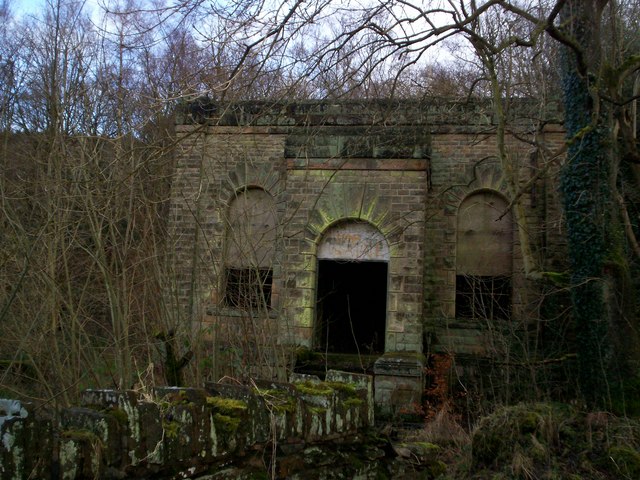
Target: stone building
[(371, 232)]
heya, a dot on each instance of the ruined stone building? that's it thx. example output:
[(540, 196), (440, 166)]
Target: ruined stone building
[(378, 231)]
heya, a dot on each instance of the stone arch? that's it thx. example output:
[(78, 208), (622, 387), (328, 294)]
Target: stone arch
[(250, 174), (341, 202), (485, 175), (353, 240)]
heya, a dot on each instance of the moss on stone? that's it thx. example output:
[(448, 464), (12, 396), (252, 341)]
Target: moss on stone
[(170, 428), (326, 389), (353, 402), (227, 406), (311, 388), (119, 414), (285, 408), (278, 400), (348, 388), (226, 423)]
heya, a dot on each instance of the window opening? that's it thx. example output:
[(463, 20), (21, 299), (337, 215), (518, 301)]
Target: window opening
[(249, 250), (483, 297), (484, 255), (248, 288)]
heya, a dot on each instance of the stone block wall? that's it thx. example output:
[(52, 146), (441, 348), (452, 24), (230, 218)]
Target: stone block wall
[(180, 433), (404, 169), (323, 165), (211, 165), (390, 200), (463, 162)]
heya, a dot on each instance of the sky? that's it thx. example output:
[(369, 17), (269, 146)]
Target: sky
[(26, 6), (32, 6)]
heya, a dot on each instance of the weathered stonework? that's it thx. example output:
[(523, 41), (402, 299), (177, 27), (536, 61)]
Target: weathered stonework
[(402, 168), (182, 433)]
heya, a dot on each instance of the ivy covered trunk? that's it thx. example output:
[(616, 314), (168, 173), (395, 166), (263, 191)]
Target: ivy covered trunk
[(587, 204), (599, 265)]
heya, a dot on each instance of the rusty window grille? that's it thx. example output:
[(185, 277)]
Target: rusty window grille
[(248, 288)]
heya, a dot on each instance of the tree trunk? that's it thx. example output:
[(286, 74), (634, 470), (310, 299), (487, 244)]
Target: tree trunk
[(595, 232), (587, 205)]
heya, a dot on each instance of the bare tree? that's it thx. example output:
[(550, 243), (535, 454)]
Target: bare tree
[(81, 207)]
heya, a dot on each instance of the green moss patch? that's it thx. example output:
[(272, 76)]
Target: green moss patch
[(353, 402), (227, 406), (225, 423), (119, 414), (314, 388), (228, 413), (348, 388), (278, 400), (326, 389), (171, 428)]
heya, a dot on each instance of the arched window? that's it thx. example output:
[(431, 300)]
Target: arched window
[(484, 257), (250, 249)]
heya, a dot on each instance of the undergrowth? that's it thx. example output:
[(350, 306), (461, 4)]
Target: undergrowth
[(528, 440), (532, 441)]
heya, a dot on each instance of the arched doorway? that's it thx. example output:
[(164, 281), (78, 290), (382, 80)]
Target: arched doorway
[(351, 307)]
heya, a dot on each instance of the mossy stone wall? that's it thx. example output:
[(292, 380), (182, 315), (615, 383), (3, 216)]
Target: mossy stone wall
[(180, 432)]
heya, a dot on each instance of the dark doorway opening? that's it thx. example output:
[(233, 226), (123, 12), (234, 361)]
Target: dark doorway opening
[(351, 306)]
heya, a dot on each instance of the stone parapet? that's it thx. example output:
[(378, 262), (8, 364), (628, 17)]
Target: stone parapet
[(436, 111), (179, 432)]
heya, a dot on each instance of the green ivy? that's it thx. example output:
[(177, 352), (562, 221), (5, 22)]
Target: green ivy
[(587, 206)]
